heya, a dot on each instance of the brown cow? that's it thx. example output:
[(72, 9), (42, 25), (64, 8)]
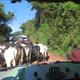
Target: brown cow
[(20, 57)]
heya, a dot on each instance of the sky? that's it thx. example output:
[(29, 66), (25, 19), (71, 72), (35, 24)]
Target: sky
[(22, 12)]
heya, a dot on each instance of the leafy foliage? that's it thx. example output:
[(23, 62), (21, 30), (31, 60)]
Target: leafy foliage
[(5, 30), (58, 25)]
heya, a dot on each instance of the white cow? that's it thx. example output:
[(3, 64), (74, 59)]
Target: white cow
[(28, 51), (10, 56)]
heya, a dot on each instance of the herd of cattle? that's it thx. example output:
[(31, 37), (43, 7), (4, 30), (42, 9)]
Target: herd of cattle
[(22, 51), (19, 53)]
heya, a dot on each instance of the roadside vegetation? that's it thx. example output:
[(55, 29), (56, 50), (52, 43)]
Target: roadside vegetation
[(5, 29), (56, 24)]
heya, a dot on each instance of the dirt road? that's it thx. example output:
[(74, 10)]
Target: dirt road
[(53, 58)]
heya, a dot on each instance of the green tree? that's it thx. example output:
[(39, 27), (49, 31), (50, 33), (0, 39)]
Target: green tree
[(29, 30), (58, 25), (63, 24), (5, 30)]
